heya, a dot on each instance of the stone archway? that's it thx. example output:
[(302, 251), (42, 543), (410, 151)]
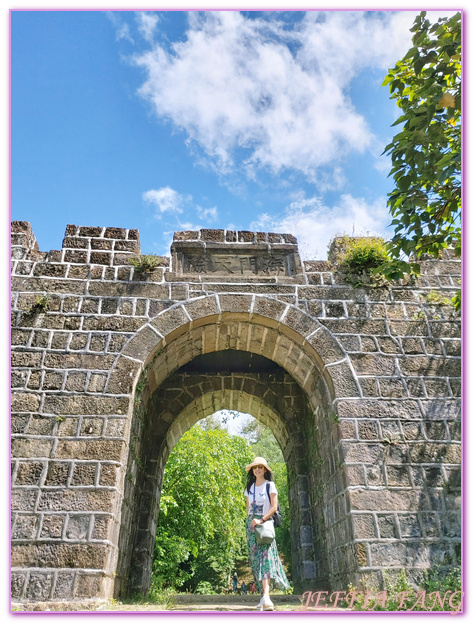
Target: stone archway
[(288, 377)]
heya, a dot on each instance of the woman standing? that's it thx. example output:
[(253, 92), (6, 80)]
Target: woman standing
[(264, 559)]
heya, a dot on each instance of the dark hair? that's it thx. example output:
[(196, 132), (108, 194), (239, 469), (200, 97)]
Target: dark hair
[(251, 478)]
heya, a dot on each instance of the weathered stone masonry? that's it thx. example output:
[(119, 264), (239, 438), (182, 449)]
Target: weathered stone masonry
[(110, 367)]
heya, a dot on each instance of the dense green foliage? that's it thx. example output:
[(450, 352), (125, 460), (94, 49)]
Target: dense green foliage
[(361, 260), (200, 536), (201, 523), (426, 154)]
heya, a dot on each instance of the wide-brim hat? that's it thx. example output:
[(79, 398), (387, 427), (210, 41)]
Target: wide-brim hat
[(258, 461)]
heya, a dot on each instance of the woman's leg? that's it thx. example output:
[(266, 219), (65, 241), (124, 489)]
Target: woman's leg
[(266, 583)]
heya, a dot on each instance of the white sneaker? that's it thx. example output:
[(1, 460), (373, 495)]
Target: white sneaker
[(267, 604), (260, 604)]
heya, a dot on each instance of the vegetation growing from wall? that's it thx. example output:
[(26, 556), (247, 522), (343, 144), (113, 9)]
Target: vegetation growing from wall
[(359, 260), (146, 263)]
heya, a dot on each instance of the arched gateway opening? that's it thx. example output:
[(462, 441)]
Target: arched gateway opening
[(254, 355)]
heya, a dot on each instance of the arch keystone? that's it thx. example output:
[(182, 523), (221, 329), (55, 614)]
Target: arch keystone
[(238, 305)]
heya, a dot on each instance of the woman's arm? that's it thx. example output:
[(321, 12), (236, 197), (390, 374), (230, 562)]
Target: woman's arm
[(274, 506)]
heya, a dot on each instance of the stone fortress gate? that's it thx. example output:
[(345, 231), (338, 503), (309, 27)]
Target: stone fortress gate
[(110, 366)]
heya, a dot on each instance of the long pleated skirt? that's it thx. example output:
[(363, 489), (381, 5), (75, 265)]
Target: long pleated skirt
[(264, 561)]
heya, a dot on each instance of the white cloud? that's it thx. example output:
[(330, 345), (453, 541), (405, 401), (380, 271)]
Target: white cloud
[(147, 24), (315, 224), (252, 93), (122, 30), (166, 199), (209, 215)]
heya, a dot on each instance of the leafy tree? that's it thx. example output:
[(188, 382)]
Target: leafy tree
[(201, 523), (426, 154)]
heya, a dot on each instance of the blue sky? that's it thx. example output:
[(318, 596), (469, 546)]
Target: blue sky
[(171, 120)]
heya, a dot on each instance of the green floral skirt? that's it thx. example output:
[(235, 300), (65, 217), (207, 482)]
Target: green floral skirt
[(264, 560)]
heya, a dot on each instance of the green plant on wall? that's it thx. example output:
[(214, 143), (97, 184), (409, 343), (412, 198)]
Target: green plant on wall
[(146, 263), (361, 260)]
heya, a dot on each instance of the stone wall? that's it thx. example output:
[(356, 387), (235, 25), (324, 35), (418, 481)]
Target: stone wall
[(109, 370)]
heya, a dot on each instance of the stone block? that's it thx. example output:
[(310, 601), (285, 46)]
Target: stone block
[(387, 527), (19, 423), (437, 388), (235, 303), (385, 500), (364, 526), (412, 431), (25, 402), (18, 582), (64, 585), (97, 383), (115, 427), (343, 382), (78, 527), (368, 344), (90, 449), (355, 475), (86, 405), (369, 387), (392, 388), (397, 476), (327, 347), (83, 474), (361, 452), (24, 500), (430, 366), (108, 475), (98, 342), (60, 555), (435, 453), (29, 473), (368, 430), (145, 341), (373, 365), (25, 527), (52, 526), (75, 381), (118, 233), (77, 500), (87, 585), (442, 409), (79, 361), (53, 380), (441, 329), (39, 586), (364, 408), (31, 448), (436, 430), (67, 426), (122, 378), (34, 382), (409, 526), (57, 474)]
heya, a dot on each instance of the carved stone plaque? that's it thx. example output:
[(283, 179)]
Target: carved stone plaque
[(239, 264)]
